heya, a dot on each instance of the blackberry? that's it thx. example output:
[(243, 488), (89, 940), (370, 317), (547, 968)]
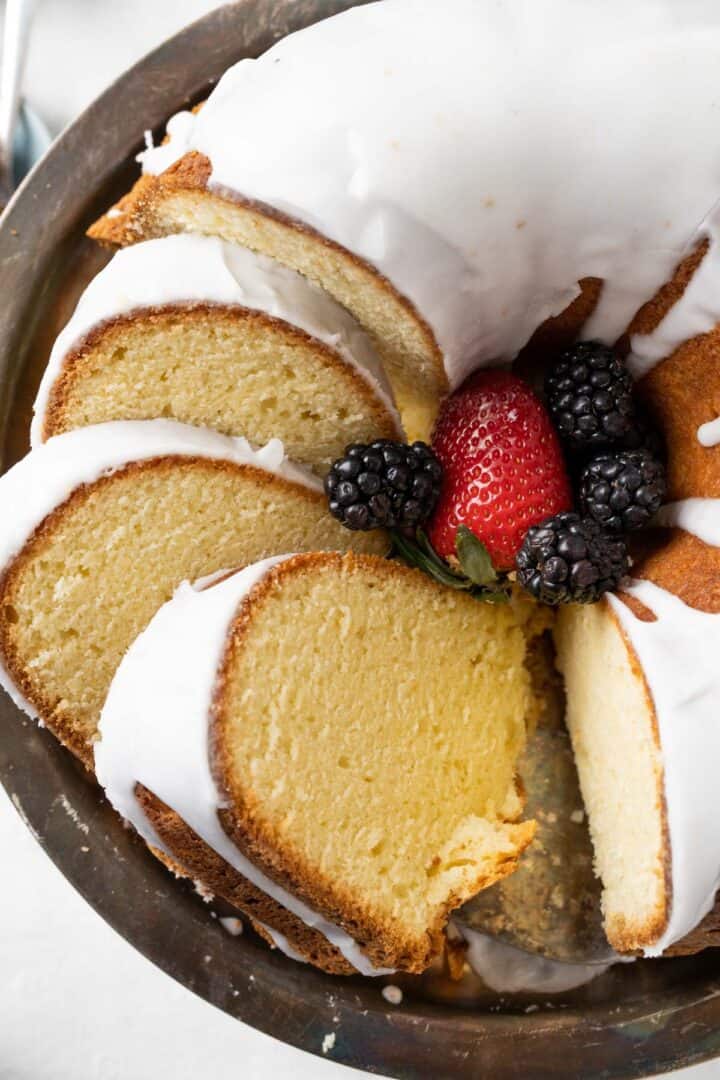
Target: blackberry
[(589, 394), (384, 484), (622, 490), (570, 559)]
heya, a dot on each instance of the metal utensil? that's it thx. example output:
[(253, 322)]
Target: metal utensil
[(16, 33)]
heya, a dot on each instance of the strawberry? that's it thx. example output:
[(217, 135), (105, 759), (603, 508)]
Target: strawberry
[(503, 468)]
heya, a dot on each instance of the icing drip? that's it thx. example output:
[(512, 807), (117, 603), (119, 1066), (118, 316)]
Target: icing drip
[(709, 434), (701, 517), (409, 173), (696, 312), (507, 970), (179, 130), (160, 699), (281, 942), (203, 269), (679, 654), (49, 474)]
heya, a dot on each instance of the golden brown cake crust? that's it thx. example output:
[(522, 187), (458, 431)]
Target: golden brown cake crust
[(385, 945), (682, 392), (78, 359), (61, 725), (199, 861)]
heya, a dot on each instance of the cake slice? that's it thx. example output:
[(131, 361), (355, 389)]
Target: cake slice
[(611, 719), (180, 199), (98, 527), (197, 330), (640, 676), (343, 735)]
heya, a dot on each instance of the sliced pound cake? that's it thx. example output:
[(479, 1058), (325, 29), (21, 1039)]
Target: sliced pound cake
[(99, 526), (611, 719), (344, 736), (209, 333)]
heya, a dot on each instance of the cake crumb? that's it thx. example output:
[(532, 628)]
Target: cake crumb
[(233, 925), (577, 817), (72, 813), (203, 891), (328, 1042), (393, 994)]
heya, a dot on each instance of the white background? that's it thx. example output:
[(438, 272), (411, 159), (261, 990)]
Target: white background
[(77, 1002)]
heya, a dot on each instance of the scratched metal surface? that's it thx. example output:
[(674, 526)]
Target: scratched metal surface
[(637, 1020)]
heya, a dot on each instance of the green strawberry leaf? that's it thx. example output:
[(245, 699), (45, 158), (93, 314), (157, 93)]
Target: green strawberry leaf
[(474, 558), (415, 555)]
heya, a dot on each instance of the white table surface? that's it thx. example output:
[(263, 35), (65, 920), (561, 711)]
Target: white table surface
[(76, 1001)]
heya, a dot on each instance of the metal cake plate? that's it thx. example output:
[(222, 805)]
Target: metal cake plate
[(637, 1019)]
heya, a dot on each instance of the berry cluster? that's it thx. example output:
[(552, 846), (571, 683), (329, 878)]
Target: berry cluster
[(495, 489), (621, 479)]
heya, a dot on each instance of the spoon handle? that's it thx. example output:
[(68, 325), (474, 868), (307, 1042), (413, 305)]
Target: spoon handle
[(16, 31)]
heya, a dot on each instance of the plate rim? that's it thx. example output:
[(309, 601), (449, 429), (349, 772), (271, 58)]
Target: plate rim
[(280, 998)]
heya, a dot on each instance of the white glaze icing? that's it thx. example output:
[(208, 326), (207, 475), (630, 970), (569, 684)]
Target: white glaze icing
[(679, 654), (709, 433), (281, 942), (48, 475), (696, 312), (199, 269), (701, 517), (454, 184), (154, 730), (507, 970), (179, 131)]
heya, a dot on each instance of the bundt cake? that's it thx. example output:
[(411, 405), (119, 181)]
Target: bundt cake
[(466, 220), (318, 664), (101, 524), (205, 332)]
